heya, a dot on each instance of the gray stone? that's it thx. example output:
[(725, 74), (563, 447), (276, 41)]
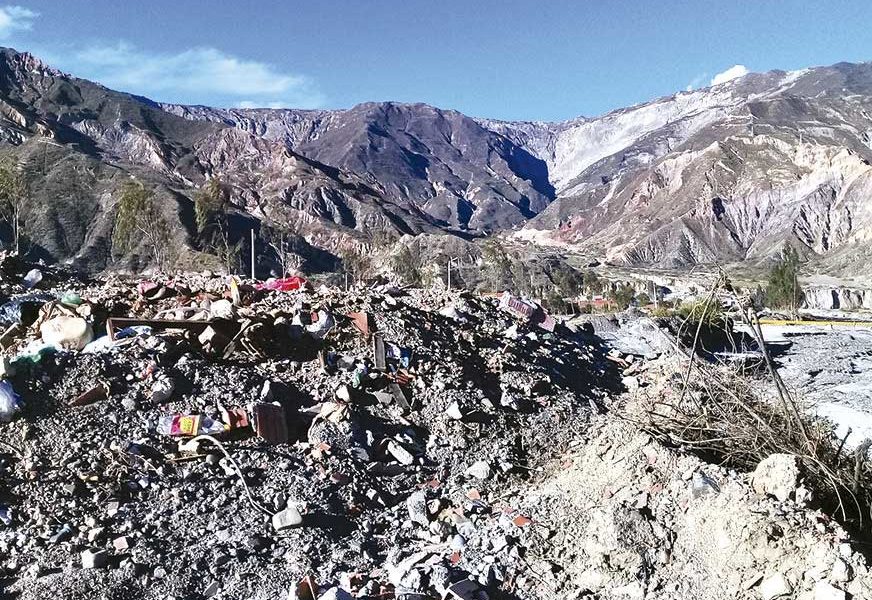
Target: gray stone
[(417, 506)]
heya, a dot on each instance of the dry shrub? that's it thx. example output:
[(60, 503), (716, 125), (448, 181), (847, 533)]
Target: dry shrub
[(726, 418)]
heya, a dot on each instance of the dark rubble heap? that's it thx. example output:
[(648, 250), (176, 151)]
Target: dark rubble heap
[(358, 441)]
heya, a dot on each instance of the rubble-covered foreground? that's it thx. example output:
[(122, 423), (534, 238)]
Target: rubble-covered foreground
[(370, 443), (356, 470), (621, 516)]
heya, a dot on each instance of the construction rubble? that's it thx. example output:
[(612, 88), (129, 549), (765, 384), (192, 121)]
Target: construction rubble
[(201, 437)]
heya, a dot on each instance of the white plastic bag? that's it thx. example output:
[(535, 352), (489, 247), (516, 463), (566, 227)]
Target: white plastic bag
[(33, 277), (10, 403)]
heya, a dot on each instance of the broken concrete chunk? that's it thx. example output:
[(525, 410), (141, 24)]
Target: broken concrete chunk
[(287, 518), (121, 543), (94, 559), (825, 591), (402, 455), (417, 506), (480, 470), (775, 587), (777, 475)]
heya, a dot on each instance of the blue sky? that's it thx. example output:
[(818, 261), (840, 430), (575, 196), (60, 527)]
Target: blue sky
[(545, 59)]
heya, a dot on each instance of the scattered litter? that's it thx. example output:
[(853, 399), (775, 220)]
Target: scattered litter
[(176, 425)]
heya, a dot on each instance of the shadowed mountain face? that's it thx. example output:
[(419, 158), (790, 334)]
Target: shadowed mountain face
[(80, 142), (457, 171), (728, 173)]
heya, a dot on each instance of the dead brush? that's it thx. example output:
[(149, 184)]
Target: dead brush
[(728, 418)]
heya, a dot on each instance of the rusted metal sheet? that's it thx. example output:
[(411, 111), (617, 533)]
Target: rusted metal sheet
[(364, 323), (270, 423)]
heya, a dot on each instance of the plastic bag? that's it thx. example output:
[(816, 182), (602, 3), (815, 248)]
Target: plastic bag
[(286, 284), (32, 279), (23, 309), (10, 403)]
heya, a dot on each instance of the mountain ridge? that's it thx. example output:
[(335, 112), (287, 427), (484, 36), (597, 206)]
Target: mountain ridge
[(728, 173)]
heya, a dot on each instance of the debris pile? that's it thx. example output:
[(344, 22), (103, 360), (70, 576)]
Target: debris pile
[(220, 440), (200, 437)]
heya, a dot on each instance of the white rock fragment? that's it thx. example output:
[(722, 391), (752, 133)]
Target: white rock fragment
[(287, 518), (479, 470), (222, 309), (825, 591), (840, 572), (776, 475), (775, 587), (94, 559), (454, 412)]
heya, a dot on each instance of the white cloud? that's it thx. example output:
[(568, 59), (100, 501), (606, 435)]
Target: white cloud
[(731, 73), (200, 75), (255, 104), (15, 18), (696, 82)]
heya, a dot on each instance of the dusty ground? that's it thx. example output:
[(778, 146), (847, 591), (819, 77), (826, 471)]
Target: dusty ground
[(830, 366)]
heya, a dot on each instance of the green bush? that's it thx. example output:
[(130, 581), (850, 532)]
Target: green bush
[(622, 295), (710, 312), (783, 290)]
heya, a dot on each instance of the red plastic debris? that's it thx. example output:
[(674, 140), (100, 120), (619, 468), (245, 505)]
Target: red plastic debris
[(286, 284), (522, 521)]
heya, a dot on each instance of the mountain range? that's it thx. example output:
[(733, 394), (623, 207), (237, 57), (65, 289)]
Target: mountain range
[(727, 174)]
